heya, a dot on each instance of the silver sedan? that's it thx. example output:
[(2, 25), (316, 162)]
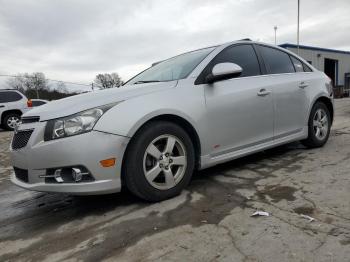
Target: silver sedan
[(188, 112)]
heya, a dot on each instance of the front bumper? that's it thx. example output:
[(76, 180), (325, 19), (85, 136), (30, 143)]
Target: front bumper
[(81, 150)]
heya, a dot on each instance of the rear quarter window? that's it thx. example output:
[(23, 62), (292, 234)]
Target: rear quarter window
[(299, 65), (306, 68), (9, 96)]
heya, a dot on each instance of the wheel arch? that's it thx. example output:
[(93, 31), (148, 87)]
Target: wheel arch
[(182, 122), (328, 102), (11, 111)]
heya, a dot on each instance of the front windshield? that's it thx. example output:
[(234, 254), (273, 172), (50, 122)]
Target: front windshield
[(175, 68)]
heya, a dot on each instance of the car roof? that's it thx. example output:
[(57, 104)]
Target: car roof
[(241, 41), (248, 41), (8, 89)]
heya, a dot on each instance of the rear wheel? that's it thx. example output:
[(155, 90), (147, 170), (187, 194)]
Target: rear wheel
[(11, 120), (160, 161), (319, 126)]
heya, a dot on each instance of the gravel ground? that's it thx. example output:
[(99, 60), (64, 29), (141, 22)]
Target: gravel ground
[(210, 221)]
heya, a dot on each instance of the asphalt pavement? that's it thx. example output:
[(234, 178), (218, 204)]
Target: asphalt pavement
[(210, 221)]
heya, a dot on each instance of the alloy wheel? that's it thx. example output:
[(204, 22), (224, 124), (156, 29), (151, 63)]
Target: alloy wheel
[(320, 124), (165, 162), (13, 121)]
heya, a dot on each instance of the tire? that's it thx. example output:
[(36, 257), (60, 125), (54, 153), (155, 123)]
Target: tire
[(316, 137), (174, 167), (9, 120)]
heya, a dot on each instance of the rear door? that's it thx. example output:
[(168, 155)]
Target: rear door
[(239, 110), (289, 91)]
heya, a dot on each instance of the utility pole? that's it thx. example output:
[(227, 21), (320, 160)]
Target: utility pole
[(275, 34), (298, 25)]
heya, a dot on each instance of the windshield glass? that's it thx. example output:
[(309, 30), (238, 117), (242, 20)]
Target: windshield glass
[(175, 68)]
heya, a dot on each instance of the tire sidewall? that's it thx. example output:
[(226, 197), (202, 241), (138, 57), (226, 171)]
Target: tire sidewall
[(311, 134), (134, 162)]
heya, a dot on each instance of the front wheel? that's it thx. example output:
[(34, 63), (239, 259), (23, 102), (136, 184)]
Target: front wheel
[(319, 126), (159, 161)]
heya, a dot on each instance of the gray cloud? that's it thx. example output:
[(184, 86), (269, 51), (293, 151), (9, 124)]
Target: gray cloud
[(74, 40)]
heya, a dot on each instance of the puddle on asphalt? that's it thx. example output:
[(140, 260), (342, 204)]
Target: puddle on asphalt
[(304, 210), (278, 193), (345, 242)]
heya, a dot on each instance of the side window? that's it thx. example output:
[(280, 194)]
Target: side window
[(9, 96), (38, 103), (276, 61), (242, 55), (298, 65), (307, 68)]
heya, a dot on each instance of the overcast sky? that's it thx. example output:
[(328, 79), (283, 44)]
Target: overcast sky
[(73, 40)]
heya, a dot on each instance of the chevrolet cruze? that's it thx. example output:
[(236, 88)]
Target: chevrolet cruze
[(189, 112)]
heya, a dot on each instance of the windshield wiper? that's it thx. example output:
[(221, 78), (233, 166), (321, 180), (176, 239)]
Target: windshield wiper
[(146, 81)]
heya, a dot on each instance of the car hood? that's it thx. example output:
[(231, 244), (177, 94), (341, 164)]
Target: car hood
[(74, 104)]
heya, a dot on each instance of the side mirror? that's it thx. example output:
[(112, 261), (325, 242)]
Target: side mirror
[(223, 71)]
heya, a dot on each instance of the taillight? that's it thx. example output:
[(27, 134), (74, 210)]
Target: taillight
[(29, 103)]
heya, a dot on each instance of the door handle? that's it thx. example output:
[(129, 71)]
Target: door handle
[(263, 92), (303, 85), (2, 106)]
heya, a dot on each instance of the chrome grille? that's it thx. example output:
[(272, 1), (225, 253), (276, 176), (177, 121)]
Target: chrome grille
[(21, 138), (30, 119)]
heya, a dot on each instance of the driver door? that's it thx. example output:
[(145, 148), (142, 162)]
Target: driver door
[(239, 110)]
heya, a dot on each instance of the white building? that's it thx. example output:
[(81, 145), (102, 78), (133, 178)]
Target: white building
[(335, 63)]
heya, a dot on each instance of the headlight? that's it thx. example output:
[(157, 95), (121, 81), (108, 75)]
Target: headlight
[(75, 124)]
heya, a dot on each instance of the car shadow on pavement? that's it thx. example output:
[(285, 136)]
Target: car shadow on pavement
[(124, 219), (51, 210)]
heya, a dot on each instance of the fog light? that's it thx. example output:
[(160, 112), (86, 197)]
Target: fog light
[(57, 176), (74, 174), (77, 175)]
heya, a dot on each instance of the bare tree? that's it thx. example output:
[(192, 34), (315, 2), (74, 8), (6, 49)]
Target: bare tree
[(29, 82), (61, 88), (16, 82), (108, 80), (39, 82), (101, 81), (116, 80)]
